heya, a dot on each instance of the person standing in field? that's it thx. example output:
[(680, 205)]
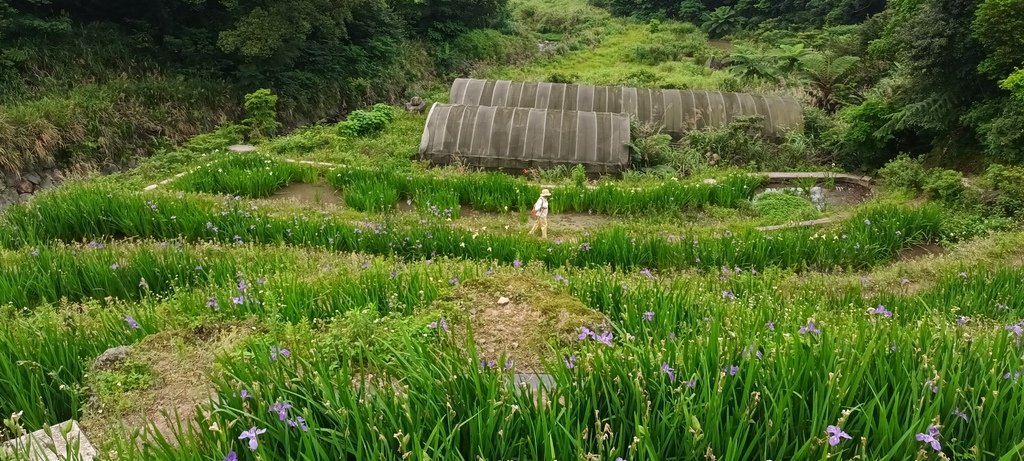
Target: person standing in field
[(539, 213)]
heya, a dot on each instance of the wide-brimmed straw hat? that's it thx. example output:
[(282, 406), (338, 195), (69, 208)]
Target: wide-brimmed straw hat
[(545, 193)]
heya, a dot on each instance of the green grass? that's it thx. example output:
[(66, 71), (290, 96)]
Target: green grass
[(495, 192), (696, 330), (247, 175), (625, 54), (870, 237), (382, 313)]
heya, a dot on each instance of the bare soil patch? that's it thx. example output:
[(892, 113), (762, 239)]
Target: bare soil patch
[(308, 195), (920, 251), (720, 44), (179, 364), (535, 316)]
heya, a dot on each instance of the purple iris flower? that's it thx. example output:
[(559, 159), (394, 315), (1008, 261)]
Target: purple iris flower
[(671, 372), (442, 324), (646, 273), (728, 295), (245, 394), (212, 303), (810, 328), (731, 370), (931, 437), (605, 338), (275, 352), (517, 264), (770, 326), (649, 315), (835, 435), (881, 310), (281, 408), (585, 333), (299, 422), (960, 414), (131, 322), (238, 300), (251, 434), (232, 456), (570, 362), (454, 280)]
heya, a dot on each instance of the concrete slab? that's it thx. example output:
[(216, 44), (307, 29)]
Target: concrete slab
[(241, 148), (64, 441), (535, 381)]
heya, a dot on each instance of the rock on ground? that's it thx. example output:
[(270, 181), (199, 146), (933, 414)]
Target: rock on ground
[(112, 357)]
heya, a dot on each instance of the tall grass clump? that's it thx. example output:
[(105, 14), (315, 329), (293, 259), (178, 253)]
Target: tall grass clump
[(49, 274), (247, 175), (496, 192), (89, 212)]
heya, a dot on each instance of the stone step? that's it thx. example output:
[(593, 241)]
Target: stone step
[(62, 442), (535, 381)]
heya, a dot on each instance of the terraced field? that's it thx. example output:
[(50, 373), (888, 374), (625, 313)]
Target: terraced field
[(377, 330)]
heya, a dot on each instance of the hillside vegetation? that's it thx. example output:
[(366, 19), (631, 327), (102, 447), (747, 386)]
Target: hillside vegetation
[(327, 296)]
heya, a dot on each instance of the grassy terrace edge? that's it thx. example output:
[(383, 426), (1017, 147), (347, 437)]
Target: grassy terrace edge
[(84, 212), (374, 190)]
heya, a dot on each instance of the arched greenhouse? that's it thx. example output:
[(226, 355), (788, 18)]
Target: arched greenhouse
[(677, 111), (517, 138)]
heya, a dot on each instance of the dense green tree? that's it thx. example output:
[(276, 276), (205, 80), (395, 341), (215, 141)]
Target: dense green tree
[(827, 76), (720, 21), (938, 72), (692, 11), (999, 26)]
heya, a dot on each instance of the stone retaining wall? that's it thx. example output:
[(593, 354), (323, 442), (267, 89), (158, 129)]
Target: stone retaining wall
[(18, 187)]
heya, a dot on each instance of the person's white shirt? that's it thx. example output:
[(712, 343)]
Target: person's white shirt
[(541, 207)]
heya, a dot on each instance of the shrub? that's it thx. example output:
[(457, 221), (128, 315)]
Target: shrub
[(261, 114), (579, 175), (741, 143), (948, 186), (904, 172), (650, 146), (867, 140), (1008, 182), (966, 225), (783, 207), (641, 77), (460, 53), (366, 122), (655, 52), (559, 77)]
